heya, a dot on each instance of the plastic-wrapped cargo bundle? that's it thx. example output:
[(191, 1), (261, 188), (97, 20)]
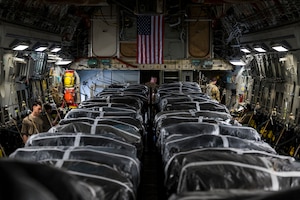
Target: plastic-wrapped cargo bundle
[(106, 130), (87, 104), (115, 185), (179, 143), (121, 119), (35, 181), (171, 120), (194, 128), (185, 130), (234, 158), (121, 160), (110, 122), (194, 105), (80, 112), (170, 99), (220, 116), (79, 139), (291, 194)]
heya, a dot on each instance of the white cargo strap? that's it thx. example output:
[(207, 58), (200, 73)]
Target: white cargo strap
[(197, 106), (192, 112), (275, 183), (66, 156), (200, 119), (225, 141), (109, 104), (77, 139), (93, 128), (101, 115), (180, 87)]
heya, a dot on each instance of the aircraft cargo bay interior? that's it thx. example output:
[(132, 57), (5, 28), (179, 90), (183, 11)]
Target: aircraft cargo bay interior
[(140, 100)]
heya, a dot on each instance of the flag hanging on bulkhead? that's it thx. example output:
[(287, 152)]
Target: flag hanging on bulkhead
[(150, 39)]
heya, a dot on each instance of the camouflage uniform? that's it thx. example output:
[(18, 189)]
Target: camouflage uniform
[(213, 92), (31, 125)]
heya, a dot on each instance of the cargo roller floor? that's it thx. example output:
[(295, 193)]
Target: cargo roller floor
[(151, 187)]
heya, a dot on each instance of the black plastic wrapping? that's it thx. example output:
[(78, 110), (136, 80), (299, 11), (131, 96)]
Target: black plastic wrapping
[(76, 113), (136, 123), (113, 183), (231, 170), (170, 99), (121, 160), (112, 189), (87, 104), (34, 181), (106, 130), (179, 143), (207, 105), (196, 128), (171, 120), (222, 195), (79, 139), (220, 116), (110, 122), (186, 129)]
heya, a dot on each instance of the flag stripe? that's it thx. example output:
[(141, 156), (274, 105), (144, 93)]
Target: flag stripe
[(150, 39)]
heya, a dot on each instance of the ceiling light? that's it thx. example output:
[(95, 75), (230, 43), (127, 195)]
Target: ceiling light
[(55, 49), (260, 49), (245, 50), (237, 62), (63, 62), (279, 48), (40, 47), (20, 46)]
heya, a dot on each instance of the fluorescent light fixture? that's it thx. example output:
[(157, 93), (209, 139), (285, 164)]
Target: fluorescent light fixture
[(63, 62), (237, 62), (279, 48), (260, 49), (245, 50), (40, 47), (55, 49), (20, 47)]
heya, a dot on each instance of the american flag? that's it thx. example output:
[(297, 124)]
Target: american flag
[(150, 39)]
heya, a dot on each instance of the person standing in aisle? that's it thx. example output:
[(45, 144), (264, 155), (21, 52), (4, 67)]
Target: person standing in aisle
[(32, 124), (212, 90), (153, 87)]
